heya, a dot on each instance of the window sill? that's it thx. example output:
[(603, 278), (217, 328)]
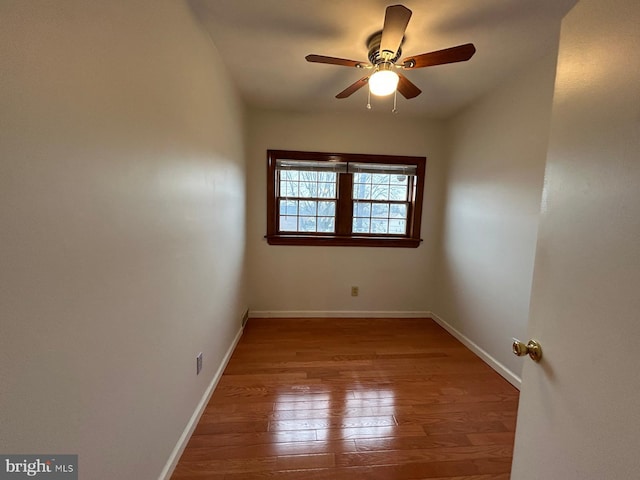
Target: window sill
[(335, 241)]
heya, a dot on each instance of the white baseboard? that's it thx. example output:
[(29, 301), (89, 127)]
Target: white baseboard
[(509, 376), (170, 466), (334, 314)]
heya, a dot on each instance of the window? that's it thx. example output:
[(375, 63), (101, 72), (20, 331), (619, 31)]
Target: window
[(344, 199)]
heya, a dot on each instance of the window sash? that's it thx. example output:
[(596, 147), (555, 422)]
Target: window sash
[(299, 215), (301, 218)]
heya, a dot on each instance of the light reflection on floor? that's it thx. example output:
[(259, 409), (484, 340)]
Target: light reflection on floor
[(363, 413)]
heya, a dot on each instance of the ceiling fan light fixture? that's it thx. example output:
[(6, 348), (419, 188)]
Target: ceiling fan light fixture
[(384, 81), (384, 51)]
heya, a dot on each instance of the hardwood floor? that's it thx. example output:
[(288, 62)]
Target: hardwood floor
[(371, 399)]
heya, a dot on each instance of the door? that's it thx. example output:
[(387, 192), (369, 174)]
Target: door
[(579, 415)]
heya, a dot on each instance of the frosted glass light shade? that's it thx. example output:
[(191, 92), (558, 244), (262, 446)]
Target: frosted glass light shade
[(383, 82)]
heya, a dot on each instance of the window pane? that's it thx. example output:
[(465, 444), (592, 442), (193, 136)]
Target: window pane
[(308, 189), (288, 188), (326, 190), (327, 177), (398, 210), (326, 225), (361, 191), (308, 176), (380, 210), (327, 209), (398, 192), (380, 179), (361, 209), (379, 225), (398, 179), (307, 224), (288, 224), (360, 225), (288, 207), (380, 192), (361, 177), (397, 227), (308, 208), (289, 175)]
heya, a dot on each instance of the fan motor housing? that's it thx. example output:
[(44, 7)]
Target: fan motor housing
[(373, 44)]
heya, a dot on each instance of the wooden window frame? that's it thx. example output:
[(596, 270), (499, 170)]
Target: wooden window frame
[(344, 207)]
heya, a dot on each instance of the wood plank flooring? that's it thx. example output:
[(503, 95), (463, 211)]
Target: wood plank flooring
[(371, 399)]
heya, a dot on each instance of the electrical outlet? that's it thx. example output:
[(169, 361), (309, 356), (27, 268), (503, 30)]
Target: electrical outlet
[(199, 363), (355, 291)]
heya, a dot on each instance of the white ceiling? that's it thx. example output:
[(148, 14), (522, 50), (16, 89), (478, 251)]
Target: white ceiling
[(264, 42)]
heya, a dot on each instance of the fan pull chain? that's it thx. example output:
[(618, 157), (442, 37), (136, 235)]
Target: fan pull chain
[(395, 99), (369, 101)]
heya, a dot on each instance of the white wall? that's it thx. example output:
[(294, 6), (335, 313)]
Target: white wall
[(122, 228), (497, 151), (312, 279)]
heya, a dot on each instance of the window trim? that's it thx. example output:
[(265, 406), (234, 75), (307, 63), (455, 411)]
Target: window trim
[(343, 215)]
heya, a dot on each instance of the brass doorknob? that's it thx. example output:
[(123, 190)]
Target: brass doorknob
[(533, 349)]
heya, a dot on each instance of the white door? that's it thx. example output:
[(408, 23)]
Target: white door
[(579, 415)]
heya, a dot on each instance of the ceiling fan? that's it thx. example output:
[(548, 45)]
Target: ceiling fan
[(384, 52)]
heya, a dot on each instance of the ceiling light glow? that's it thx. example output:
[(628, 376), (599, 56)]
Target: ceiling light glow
[(383, 82)]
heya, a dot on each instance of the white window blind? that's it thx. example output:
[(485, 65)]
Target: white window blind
[(384, 169), (311, 166)]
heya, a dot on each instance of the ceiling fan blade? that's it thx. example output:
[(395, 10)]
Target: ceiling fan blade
[(354, 87), (461, 53), (407, 88), (396, 20), (332, 60)]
